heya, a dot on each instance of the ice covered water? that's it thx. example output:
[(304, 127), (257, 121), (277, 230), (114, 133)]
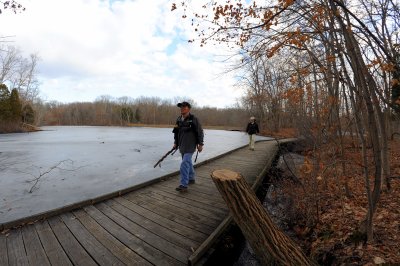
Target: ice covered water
[(71, 164)]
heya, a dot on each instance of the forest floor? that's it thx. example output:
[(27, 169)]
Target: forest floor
[(325, 206)]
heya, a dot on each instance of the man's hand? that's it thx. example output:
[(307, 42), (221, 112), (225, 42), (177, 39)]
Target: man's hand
[(199, 147), (175, 146)]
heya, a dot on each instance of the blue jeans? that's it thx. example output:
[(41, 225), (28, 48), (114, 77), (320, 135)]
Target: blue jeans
[(187, 170), (252, 138)]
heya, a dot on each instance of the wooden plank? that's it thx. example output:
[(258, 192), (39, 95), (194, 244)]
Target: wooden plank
[(148, 252), (53, 249), (191, 199), (161, 231), (170, 185), (200, 180), (240, 156), (170, 214), (96, 250), (33, 246), (194, 235), (186, 206), (3, 249), (244, 156), (204, 182), (203, 178), (239, 159), (194, 196), (217, 211), (231, 164), (199, 189), (15, 248), (205, 192), (74, 250), (152, 239), (122, 252), (180, 210)]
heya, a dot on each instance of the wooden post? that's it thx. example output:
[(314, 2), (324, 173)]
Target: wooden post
[(270, 244)]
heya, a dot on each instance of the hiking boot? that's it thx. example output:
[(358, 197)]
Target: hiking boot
[(192, 181), (181, 188)]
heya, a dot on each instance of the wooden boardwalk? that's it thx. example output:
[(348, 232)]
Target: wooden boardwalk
[(154, 225)]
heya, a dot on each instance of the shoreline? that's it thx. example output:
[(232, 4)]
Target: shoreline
[(26, 128)]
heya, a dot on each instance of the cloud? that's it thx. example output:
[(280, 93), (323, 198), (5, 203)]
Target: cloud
[(136, 48)]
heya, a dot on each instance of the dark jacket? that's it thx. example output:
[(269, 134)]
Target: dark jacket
[(188, 133), (252, 128)]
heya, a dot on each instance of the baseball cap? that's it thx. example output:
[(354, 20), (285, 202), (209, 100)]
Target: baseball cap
[(183, 104)]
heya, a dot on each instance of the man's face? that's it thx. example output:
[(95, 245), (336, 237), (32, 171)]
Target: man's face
[(185, 110)]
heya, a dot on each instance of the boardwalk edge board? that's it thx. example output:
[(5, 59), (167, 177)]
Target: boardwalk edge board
[(71, 207)]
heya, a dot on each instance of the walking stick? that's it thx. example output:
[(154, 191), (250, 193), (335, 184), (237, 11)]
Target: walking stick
[(197, 154), (172, 151)]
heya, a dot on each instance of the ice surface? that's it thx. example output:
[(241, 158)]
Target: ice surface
[(78, 163)]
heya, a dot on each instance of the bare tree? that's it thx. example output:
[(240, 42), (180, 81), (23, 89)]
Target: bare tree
[(347, 61), (25, 78), (12, 5), (9, 58)]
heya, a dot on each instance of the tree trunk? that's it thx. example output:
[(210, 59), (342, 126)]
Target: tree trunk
[(271, 245)]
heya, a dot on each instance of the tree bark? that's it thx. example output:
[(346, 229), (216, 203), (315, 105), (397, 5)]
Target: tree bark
[(271, 245)]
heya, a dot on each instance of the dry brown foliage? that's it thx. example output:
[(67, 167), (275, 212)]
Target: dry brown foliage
[(326, 217), (10, 127), (282, 133)]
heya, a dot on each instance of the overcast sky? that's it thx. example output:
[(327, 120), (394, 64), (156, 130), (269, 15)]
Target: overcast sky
[(90, 48)]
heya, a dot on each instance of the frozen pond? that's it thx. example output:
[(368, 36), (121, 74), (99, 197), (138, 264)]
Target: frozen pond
[(72, 164)]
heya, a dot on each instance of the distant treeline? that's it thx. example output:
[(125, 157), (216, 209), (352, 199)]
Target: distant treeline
[(108, 111)]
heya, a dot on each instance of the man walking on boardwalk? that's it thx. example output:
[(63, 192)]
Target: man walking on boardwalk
[(252, 129), (188, 135)]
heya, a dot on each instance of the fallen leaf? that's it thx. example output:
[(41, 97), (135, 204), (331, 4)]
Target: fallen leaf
[(378, 260)]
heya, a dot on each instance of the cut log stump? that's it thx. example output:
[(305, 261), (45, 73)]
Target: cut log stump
[(270, 244)]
